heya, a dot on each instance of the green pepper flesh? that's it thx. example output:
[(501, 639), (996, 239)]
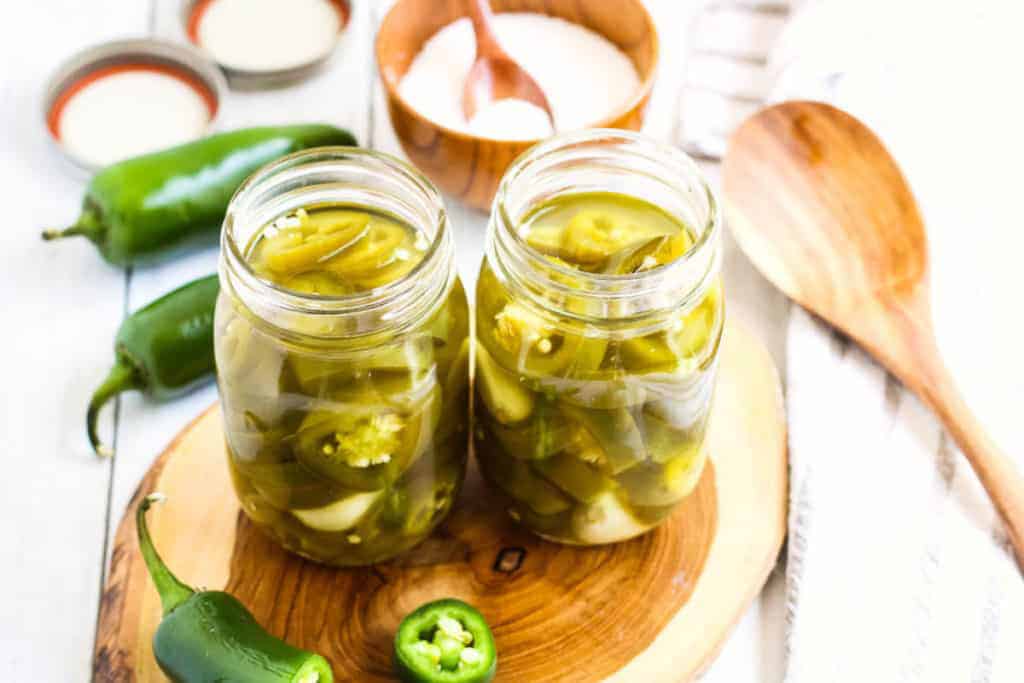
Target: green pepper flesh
[(445, 641)]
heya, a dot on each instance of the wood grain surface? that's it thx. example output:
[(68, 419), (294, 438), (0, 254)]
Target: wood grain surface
[(824, 211), (653, 609), (469, 167)]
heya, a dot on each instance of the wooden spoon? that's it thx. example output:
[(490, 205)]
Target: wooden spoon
[(820, 207), (494, 75)]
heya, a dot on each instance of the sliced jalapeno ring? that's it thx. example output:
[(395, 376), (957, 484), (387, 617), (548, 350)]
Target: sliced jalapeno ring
[(445, 641), (522, 339), (421, 497), (575, 477), (289, 485), (519, 482), (650, 484), (290, 252), (373, 250), (505, 397), (615, 431), (354, 450), (648, 354)]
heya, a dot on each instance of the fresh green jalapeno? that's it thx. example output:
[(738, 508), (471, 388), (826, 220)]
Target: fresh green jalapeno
[(210, 637), (164, 350), (445, 641), (146, 207)]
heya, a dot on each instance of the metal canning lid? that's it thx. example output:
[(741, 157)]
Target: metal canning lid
[(130, 97), (256, 28)]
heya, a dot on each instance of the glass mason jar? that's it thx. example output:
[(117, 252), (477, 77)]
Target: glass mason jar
[(345, 413), (593, 389)]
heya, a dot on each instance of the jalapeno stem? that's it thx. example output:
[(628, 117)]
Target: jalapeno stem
[(58, 233), (172, 591), (122, 377), (88, 225)]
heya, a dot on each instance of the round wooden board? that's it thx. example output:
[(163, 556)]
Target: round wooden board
[(654, 609)]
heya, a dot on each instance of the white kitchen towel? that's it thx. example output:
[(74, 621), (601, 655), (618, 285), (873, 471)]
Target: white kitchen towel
[(726, 77), (898, 568)]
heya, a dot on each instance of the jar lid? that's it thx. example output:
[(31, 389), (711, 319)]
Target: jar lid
[(129, 97), (266, 43)]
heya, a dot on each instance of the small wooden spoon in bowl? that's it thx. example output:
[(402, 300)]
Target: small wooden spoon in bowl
[(495, 75), (821, 208)]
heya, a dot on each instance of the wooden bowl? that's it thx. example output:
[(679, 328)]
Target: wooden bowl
[(470, 167)]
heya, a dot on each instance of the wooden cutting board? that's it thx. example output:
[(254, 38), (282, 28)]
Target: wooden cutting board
[(654, 609)]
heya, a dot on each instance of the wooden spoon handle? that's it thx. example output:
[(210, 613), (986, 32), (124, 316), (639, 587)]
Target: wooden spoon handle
[(487, 44), (996, 471)]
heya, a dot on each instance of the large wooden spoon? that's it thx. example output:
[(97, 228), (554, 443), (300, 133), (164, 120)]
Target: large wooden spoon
[(821, 208), (495, 75)]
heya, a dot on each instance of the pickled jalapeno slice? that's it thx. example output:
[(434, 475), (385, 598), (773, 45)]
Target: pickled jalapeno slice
[(290, 485), (423, 496), (523, 485), (582, 481), (537, 438), (338, 250), (652, 483), (507, 400), (602, 232), (354, 450), (523, 341), (299, 245), (365, 447), (619, 440)]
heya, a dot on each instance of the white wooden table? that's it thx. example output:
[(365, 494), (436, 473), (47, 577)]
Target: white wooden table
[(61, 305)]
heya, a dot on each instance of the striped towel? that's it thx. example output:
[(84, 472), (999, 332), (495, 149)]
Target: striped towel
[(898, 569)]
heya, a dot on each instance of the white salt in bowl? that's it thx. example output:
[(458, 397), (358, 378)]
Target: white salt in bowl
[(467, 166)]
